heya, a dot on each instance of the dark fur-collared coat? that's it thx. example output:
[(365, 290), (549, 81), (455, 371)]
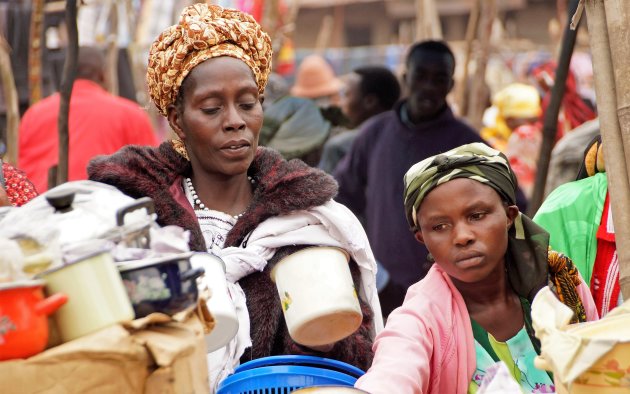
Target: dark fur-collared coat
[(281, 187)]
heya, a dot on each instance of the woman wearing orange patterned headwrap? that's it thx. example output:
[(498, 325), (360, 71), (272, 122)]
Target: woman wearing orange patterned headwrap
[(240, 201)]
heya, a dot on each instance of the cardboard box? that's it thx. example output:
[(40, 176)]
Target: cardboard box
[(144, 357)]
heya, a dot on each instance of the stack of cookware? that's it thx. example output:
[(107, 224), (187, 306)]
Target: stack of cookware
[(68, 271)]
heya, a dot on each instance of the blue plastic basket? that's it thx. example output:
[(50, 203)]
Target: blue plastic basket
[(283, 374)]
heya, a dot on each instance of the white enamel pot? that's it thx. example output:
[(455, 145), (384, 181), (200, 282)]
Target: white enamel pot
[(96, 295)]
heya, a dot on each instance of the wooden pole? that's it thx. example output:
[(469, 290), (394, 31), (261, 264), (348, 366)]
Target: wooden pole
[(324, 34), (550, 121), (471, 32), (617, 13), (35, 51), (478, 89), (270, 19), (67, 81), (427, 21), (112, 48), (618, 185), (12, 102), (132, 49), (420, 21), (433, 16)]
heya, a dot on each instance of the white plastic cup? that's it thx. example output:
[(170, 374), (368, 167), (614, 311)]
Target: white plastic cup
[(220, 303), (318, 297)]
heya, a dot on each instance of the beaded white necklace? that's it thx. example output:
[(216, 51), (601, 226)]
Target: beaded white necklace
[(201, 205)]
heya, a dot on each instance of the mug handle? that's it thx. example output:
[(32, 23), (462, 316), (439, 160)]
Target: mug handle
[(49, 305), (192, 274)]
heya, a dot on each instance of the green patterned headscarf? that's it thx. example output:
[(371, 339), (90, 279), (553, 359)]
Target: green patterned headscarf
[(475, 161)]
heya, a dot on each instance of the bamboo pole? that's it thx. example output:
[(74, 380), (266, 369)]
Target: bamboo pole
[(270, 19), (617, 14), (324, 35), (132, 49), (618, 185), (427, 21), (478, 90), (112, 49), (287, 30), (67, 81), (12, 102), (550, 122), (471, 32), (434, 17), (35, 51)]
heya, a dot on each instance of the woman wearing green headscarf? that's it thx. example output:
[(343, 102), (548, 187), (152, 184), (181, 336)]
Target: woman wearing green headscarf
[(473, 307)]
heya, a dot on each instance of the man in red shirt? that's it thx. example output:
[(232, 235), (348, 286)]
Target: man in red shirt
[(99, 124)]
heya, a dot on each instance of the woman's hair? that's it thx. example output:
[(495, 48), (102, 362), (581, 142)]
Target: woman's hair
[(204, 32)]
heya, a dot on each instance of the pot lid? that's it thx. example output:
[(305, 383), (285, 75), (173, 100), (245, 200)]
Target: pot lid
[(21, 283), (77, 211)]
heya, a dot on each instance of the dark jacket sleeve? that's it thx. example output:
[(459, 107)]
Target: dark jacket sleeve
[(351, 174), (269, 332)]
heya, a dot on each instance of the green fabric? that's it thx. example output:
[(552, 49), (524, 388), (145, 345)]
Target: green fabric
[(294, 126), (572, 214), (475, 161), (502, 349), (481, 335), (517, 353)]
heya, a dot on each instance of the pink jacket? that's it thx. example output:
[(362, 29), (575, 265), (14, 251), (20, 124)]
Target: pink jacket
[(427, 345)]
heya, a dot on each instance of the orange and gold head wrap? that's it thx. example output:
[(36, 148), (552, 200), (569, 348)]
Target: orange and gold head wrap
[(204, 32)]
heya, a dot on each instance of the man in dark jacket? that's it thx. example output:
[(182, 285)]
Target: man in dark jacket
[(371, 175)]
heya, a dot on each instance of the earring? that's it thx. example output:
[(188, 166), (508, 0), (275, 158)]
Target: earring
[(180, 148), (430, 258)]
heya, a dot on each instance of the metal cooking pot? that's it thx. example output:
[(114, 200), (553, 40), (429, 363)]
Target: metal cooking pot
[(23, 318), (84, 210), (166, 284)]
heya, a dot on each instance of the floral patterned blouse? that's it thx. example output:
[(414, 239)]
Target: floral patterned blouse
[(517, 353)]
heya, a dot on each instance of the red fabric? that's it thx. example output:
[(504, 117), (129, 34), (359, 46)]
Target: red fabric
[(574, 110), (605, 279), (99, 123), (522, 151), (18, 188)]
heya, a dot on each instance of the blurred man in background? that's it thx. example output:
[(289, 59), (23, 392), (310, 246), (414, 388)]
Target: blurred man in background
[(368, 91), (99, 123), (371, 175)]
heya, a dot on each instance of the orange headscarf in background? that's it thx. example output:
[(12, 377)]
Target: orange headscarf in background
[(204, 32)]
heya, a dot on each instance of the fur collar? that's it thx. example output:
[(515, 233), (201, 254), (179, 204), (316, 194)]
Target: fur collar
[(281, 186)]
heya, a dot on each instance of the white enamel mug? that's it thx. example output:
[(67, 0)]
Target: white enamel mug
[(318, 297)]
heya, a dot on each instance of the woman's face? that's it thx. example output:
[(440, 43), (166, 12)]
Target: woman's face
[(464, 225), (220, 116)]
